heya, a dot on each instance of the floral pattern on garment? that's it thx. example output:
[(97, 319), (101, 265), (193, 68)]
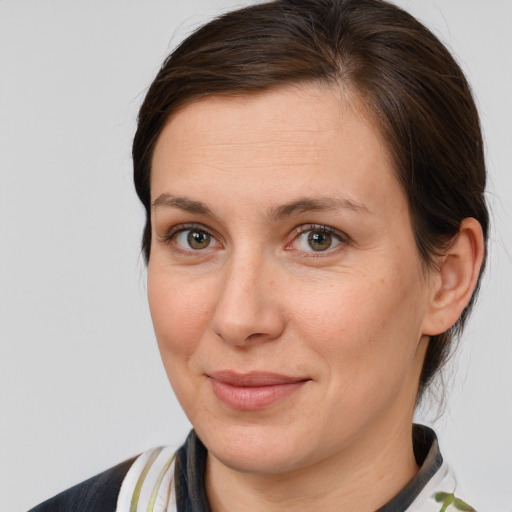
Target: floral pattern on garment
[(448, 499)]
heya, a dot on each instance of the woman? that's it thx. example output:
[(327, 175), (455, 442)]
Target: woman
[(313, 179)]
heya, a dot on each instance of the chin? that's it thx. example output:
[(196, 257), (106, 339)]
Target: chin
[(257, 449)]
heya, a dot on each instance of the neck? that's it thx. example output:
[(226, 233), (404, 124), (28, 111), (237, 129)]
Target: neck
[(363, 479)]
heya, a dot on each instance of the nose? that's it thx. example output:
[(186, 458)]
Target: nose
[(248, 309)]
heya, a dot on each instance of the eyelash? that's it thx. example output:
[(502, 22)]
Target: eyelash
[(341, 237), (175, 231)]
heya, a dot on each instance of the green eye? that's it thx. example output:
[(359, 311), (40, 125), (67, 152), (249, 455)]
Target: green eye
[(198, 239), (195, 239), (319, 240)]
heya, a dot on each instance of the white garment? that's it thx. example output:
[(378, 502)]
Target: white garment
[(149, 486)]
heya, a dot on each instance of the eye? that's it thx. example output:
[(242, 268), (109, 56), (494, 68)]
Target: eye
[(192, 238), (317, 239)]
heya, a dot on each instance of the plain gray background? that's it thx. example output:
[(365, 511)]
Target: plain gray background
[(81, 383)]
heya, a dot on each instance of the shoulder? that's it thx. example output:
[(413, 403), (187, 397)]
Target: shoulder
[(135, 484), (149, 484), (98, 494), (435, 487), (164, 480), (442, 493)]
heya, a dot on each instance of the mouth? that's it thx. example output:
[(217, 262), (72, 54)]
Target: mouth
[(255, 390)]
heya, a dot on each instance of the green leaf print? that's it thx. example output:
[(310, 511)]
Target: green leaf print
[(448, 499)]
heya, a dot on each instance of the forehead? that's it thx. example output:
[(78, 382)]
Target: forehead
[(294, 137), (299, 109)]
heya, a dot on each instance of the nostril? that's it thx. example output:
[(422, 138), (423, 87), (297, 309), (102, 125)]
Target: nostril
[(255, 336)]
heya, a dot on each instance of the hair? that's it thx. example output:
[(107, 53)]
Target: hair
[(407, 79)]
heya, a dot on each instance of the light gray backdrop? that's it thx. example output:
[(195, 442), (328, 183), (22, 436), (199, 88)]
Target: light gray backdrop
[(81, 383)]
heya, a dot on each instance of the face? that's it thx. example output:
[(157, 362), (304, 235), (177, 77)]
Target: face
[(285, 287)]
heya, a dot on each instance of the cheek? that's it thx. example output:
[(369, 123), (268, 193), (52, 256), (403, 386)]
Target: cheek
[(366, 325), (179, 314)]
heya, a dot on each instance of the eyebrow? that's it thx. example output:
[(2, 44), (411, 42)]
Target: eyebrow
[(317, 204), (182, 203), (302, 205)]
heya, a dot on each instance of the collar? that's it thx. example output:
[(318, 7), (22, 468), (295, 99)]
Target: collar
[(191, 465), (429, 459)]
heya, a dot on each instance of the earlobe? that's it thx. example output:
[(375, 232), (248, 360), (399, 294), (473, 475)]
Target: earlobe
[(458, 275)]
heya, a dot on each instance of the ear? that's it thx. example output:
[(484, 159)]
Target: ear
[(453, 285)]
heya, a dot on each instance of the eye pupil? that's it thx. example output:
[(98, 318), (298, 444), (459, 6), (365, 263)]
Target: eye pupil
[(319, 240), (198, 239)]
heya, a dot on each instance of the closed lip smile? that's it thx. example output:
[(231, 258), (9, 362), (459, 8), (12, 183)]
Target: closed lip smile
[(254, 390)]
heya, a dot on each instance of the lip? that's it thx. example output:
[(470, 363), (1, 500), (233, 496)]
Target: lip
[(254, 390)]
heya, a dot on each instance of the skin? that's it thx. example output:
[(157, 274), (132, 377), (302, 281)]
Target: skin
[(258, 174)]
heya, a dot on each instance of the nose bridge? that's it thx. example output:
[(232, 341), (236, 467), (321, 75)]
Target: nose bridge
[(246, 309)]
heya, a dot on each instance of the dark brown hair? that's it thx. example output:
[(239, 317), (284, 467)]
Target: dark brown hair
[(408, 80)]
